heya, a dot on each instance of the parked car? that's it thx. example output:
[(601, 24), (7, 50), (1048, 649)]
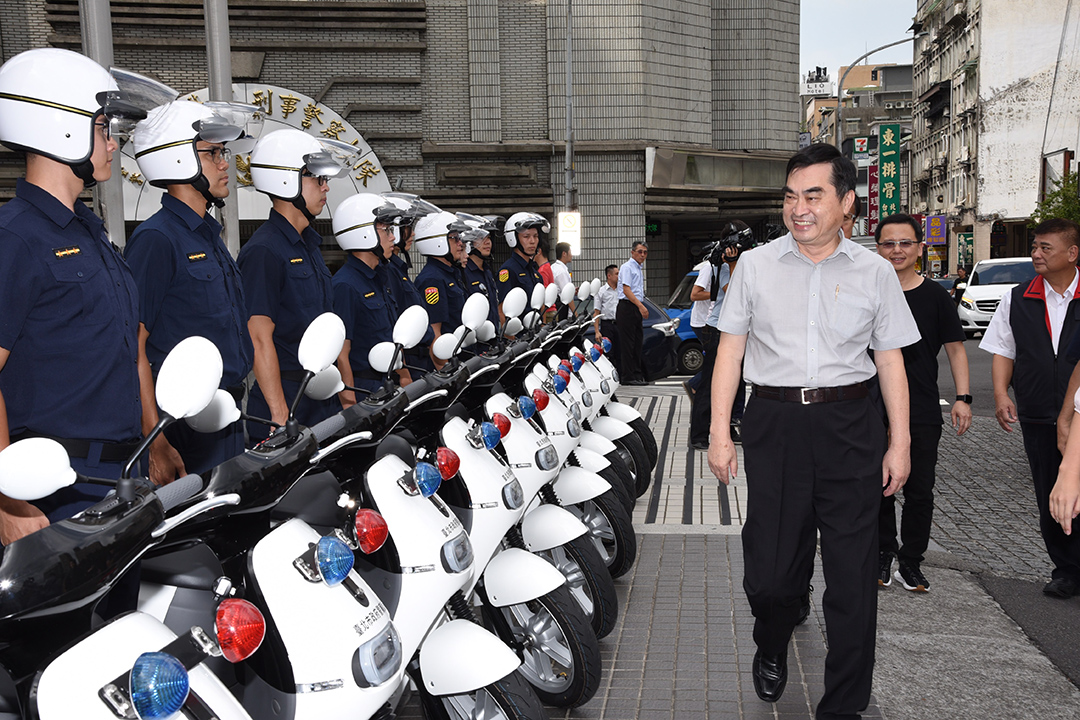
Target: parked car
[(990, 280), (658, 342), (690, 356)]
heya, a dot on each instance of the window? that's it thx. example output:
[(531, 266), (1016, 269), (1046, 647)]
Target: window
[(873, 74)]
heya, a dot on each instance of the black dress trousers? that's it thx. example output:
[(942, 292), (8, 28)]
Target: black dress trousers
[(628, 321)]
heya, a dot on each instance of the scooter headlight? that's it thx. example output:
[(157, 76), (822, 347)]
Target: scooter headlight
[(614, 374), (547, 458), (457, 553), (605, 387), (513, 496), (573, 427), (377, 660), (334, 559), (575, 410), (586, 398), (159, 685)]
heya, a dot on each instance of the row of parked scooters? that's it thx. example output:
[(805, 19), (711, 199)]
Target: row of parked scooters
[(456, 538)]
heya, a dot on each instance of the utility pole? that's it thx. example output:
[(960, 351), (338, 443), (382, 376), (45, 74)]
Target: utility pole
[(571, 194), (840, 87), (97, 44), (219, 59)]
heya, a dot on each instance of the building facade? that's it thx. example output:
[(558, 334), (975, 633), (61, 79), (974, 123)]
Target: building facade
[(685, 111)]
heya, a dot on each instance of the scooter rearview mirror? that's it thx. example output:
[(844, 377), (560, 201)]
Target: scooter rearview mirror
[(475, 311), (444, 346), (325, 384), (486, 333), (380, 356), (566, 295), (411, 326), (34, 468), (513, 325), (321, 343), (530, 319), (551, 292), (536, 300), (584, 291), (514, 303), (189, 377), (218, 415), (597, 283)]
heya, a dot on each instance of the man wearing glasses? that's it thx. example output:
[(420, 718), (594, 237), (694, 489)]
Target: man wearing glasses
[(630, 312), (188, 282), (900, 241), (441, 282), (286, 281)]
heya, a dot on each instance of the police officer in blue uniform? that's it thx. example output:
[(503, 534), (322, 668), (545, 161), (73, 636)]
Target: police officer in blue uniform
[(441, 283), (188, 282), (286, 281), (69, 319), (363, 227), (478, 275), (522, 233)]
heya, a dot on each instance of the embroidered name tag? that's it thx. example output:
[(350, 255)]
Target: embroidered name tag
[(196, 256), (66, 251)]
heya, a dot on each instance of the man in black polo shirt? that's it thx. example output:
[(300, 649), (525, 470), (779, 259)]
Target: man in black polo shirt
[(1031, 324), (899, 240)]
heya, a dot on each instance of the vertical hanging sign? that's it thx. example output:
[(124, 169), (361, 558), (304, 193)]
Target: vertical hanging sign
[(872, 214), (889, 170)]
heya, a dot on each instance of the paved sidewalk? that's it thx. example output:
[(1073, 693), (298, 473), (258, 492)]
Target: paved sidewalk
[(683, 646)]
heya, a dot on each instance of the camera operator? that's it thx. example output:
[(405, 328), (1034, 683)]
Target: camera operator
[(721, 259)]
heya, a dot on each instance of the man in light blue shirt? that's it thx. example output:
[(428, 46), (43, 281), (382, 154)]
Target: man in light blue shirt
[(630, 312)]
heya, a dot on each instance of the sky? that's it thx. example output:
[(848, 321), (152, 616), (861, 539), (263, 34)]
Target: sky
[(835, 32)]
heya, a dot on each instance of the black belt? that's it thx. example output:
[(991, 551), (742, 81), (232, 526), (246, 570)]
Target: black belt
[(110, 451), (293, 375), (237, 391), (808, 396)]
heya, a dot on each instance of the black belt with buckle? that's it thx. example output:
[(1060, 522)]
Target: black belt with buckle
[(809, 396), (110, 451)]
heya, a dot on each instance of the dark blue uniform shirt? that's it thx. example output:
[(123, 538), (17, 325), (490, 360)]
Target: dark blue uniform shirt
[(362, 299), (518, 272), (69, 317), (286, 279), (189, 285), (441, 287), (479, 280)]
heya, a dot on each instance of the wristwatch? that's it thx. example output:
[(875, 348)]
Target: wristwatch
[(964, 398)]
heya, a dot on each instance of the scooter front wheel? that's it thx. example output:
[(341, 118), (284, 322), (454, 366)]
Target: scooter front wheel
[(508, 699), (558, 648), (633, 454), (588, 580), (648, 440), (611, 529)]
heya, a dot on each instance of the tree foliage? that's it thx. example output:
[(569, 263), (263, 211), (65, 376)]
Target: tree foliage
[(1061, 202)]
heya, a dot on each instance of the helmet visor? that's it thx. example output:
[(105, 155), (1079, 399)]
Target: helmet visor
[(334, 159), (418, 207), (135, 95), (230, 122)]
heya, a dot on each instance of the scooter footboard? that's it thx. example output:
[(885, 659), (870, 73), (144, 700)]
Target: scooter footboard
[(460, 657), (515, 576)]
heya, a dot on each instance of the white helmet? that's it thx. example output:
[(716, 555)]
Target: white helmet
[(523, 221), (280, 157), (165, 141), (430, 233), (354, 221), (49, 101)]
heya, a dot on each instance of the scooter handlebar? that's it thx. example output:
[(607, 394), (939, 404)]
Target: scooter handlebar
[(178, 491), (328, 427)]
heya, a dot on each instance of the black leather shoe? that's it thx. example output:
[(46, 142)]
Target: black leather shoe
[(1062, 587), (804, 610), (770, 676)]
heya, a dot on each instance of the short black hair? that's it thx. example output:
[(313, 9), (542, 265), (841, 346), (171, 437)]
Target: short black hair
[(560, 248), (899, 219), (609, 268), (1069, 229), (843, 171), (856, 208)]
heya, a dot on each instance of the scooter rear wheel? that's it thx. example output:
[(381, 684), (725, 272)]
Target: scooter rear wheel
[(511, 698)]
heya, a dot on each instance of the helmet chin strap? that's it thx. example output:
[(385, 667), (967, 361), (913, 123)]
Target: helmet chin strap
[(85, 172), (301, 205), (203, 186)]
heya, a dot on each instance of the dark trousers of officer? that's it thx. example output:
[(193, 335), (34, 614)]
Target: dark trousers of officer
[(611, 332), (918, 493), (628, 320), (701, 410), (815, 468), (308, 412), (201, 452), (1040, 444)]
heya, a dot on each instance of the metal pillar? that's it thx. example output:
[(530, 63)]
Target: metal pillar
[(219, 59), (571, 194), (97, 44)]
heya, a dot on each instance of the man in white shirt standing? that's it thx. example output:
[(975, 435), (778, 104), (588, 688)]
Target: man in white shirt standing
[(630, 312), (559, 272), (604, 313), (702, 305), (1030, 327)]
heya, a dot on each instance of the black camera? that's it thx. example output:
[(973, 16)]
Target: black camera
[(720, 251)]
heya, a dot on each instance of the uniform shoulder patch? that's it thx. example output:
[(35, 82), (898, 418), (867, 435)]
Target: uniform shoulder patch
[(196, 256), (296, 260), (504, 275), (66, 251), (431, 295)]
